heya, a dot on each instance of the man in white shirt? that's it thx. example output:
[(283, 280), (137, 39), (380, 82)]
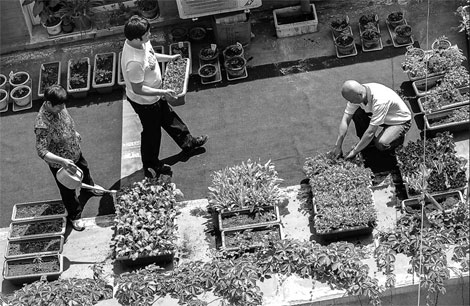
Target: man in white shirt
[(143, 80)]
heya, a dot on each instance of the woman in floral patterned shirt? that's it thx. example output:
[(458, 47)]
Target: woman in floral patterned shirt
[(58, 143)]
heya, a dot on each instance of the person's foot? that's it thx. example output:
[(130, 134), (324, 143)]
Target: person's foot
[(155, 172), (78, 225), (194, 142)]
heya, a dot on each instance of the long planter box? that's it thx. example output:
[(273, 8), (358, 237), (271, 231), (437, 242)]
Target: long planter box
[(32, 276), (450, 126), (41, 210), (104, 87), (29, 226), (421, 78), (180, 100), (415, 196), (43, 67), (464, 90), (422, 88), (223, 216), (48, 246), (79, 92), (414, 204), (340, 234), (227, 233), (294, 28), (146, 260)]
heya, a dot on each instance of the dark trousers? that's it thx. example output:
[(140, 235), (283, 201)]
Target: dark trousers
[(154, 117), (69, 197)]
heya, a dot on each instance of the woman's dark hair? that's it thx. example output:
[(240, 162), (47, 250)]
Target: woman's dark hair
[(56, 94), (136, 27)]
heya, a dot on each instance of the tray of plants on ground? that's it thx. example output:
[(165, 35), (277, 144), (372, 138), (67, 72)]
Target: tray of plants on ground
[(49, 74), (104, 72), (36, 228), (250, 238), (439, 201), (78, 77), (145, 229), (369, 31), (38, 210), (442, 170), (245, 196), (444, 99), (342, 198), (32, 268), (36, 246), (176, 76), (452, 120)]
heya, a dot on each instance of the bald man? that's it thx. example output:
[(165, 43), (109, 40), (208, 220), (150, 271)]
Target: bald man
[(370, 106)]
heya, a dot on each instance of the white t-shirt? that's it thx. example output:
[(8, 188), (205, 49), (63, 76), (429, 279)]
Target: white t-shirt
[(139, 65), (385, 105)]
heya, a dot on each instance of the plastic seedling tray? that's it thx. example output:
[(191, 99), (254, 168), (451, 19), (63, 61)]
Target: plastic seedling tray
[(41, 210), (49, 245), (181, 96), (187, 54), (79, 92), (439, 197), (451, 126), (59, 64), (463, 90), (31, 277), (225, 235), (26, 229)]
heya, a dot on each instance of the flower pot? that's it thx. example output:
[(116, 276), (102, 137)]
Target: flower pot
[(370, 38), (41, 210), (452, 120), (395, 19), (243, 218), (36, 229), (78, 77), (235, 66), (3, 99), (345, 44), (49, 74), (18, 78), (29, 269), (197, 34), (82, 23), (21, 95), (367, 21), (446, 199), (233, 50), (403, 34), (179, 34), (207, 72), (252, 237), (34, 247), (54, 29), (441, 44), (339, 26), (104, 72), (208, 55), (3, 81), (176, 78)]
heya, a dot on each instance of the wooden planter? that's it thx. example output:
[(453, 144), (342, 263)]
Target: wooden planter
[(422, 88), (42, 210), (104, 72), (450, 126), (28, 270), (440, 197), (259, 231), (463, 90), (49, 74), (228, 220), (34, 247), (36, 229), (82, 91), (176, 78), (146, 260)]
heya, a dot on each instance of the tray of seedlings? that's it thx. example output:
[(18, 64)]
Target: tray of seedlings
[(34, 247)]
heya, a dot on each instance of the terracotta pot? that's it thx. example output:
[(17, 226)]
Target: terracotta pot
[(197, 33), (207, 55), (151, 14), (395, 19), (370, 38), (337, 28), (403, 34), (25, 79), (233, 50)]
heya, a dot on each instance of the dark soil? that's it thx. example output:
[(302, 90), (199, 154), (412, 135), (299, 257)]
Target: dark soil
[(49, 76), (104, 67), (395, 16), (208, 53), (235, 63), (20, 93), (251, 237), (344, 40), (294, 18), (208, 70), (2, 95), (2, 79), (39, 209), (37, 227), (30, 266), (34, 246), (238, 219), (19, 78)]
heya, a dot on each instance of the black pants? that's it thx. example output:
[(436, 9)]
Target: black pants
[(154, 117), (69, 197)]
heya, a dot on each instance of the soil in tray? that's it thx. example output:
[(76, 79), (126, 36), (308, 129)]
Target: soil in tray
[(38, 227), (33, 266), (239, 219), (34, 246), (175, 75), (294, 18), (251, 237), (35, 210), (184, 50)]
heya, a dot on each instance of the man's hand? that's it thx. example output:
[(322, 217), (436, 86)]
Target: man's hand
[(169, 94), (176, 56)]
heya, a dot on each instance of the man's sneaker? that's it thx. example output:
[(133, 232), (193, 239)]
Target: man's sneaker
[(194, 142), (156, 171), (78, 225)]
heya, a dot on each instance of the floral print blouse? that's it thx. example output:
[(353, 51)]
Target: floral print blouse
[(56, 133)]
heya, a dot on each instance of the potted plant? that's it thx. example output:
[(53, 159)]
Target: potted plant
[(21, 95), (340, 25), (368, 21), (36, 228), (344, 44), (104, 71), (233, 50), (18, 79), (179, 34), (444, 100), (441, 43), (47, 10), (67, 24), (197, 34), (235, 66), (207, 72), (80, 11), (34, 247), (454, 119), (176, 78), (454, 79), (145, 230), (78, 77), (370, 38), (49, 74), (148, 8), (250, 238), (395, 19), (32, 268), (38, 211), (402, 34), (3, 99), (209, 54), (3, 81)]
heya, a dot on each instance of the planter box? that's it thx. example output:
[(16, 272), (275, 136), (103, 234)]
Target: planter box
[(451, 126), (34, 247), (248, 219), (420, 88), (82, 91), (297, 24), (104, 87), (463, 90), (340, 234), (184, 48), (36, 229), (261, 231), (146, 260), (51, 267), (52, 72), (42, 210), (120, 78), (171, 69), (439, 197)]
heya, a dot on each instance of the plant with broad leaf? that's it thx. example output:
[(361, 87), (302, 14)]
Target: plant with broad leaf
[(145, 220), (247, 185)]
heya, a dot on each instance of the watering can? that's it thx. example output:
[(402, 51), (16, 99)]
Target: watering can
[(72, 179)]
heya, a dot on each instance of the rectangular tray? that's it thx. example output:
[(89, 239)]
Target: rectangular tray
[(14, 218), (254, 228), (146, 260), (78, 92), (61, 247), (414, 203), (393, 35), (340, 234), (62, 232), (296, 28), (379, 46), (448, 106), (221, 215), (17, 108), (189, 53), (181, 97), (21, 279), (40, 76), (451, 126)]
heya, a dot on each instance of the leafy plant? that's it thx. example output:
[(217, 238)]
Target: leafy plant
[(75, 8), (464, 13), (78, 73), (49, 75), (145, 5), (145, 215), (370, 34), (435, 101), (395, 16), (46, 10), (344, 40), (104, 69), (457, 115), (340, 23)]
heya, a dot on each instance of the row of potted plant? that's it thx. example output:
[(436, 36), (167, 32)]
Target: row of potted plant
[(18, 89), (233, 59)]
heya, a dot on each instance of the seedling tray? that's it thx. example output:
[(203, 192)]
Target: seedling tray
[(146, 260), (41, 210), (376, 48), (349, 232), (450, 126), (225, 234), (393, 36), (49, 245), (33, 225), (31, 277), (439, 197), (463, 90), (83, 91), (225, 215), (181, 96)]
